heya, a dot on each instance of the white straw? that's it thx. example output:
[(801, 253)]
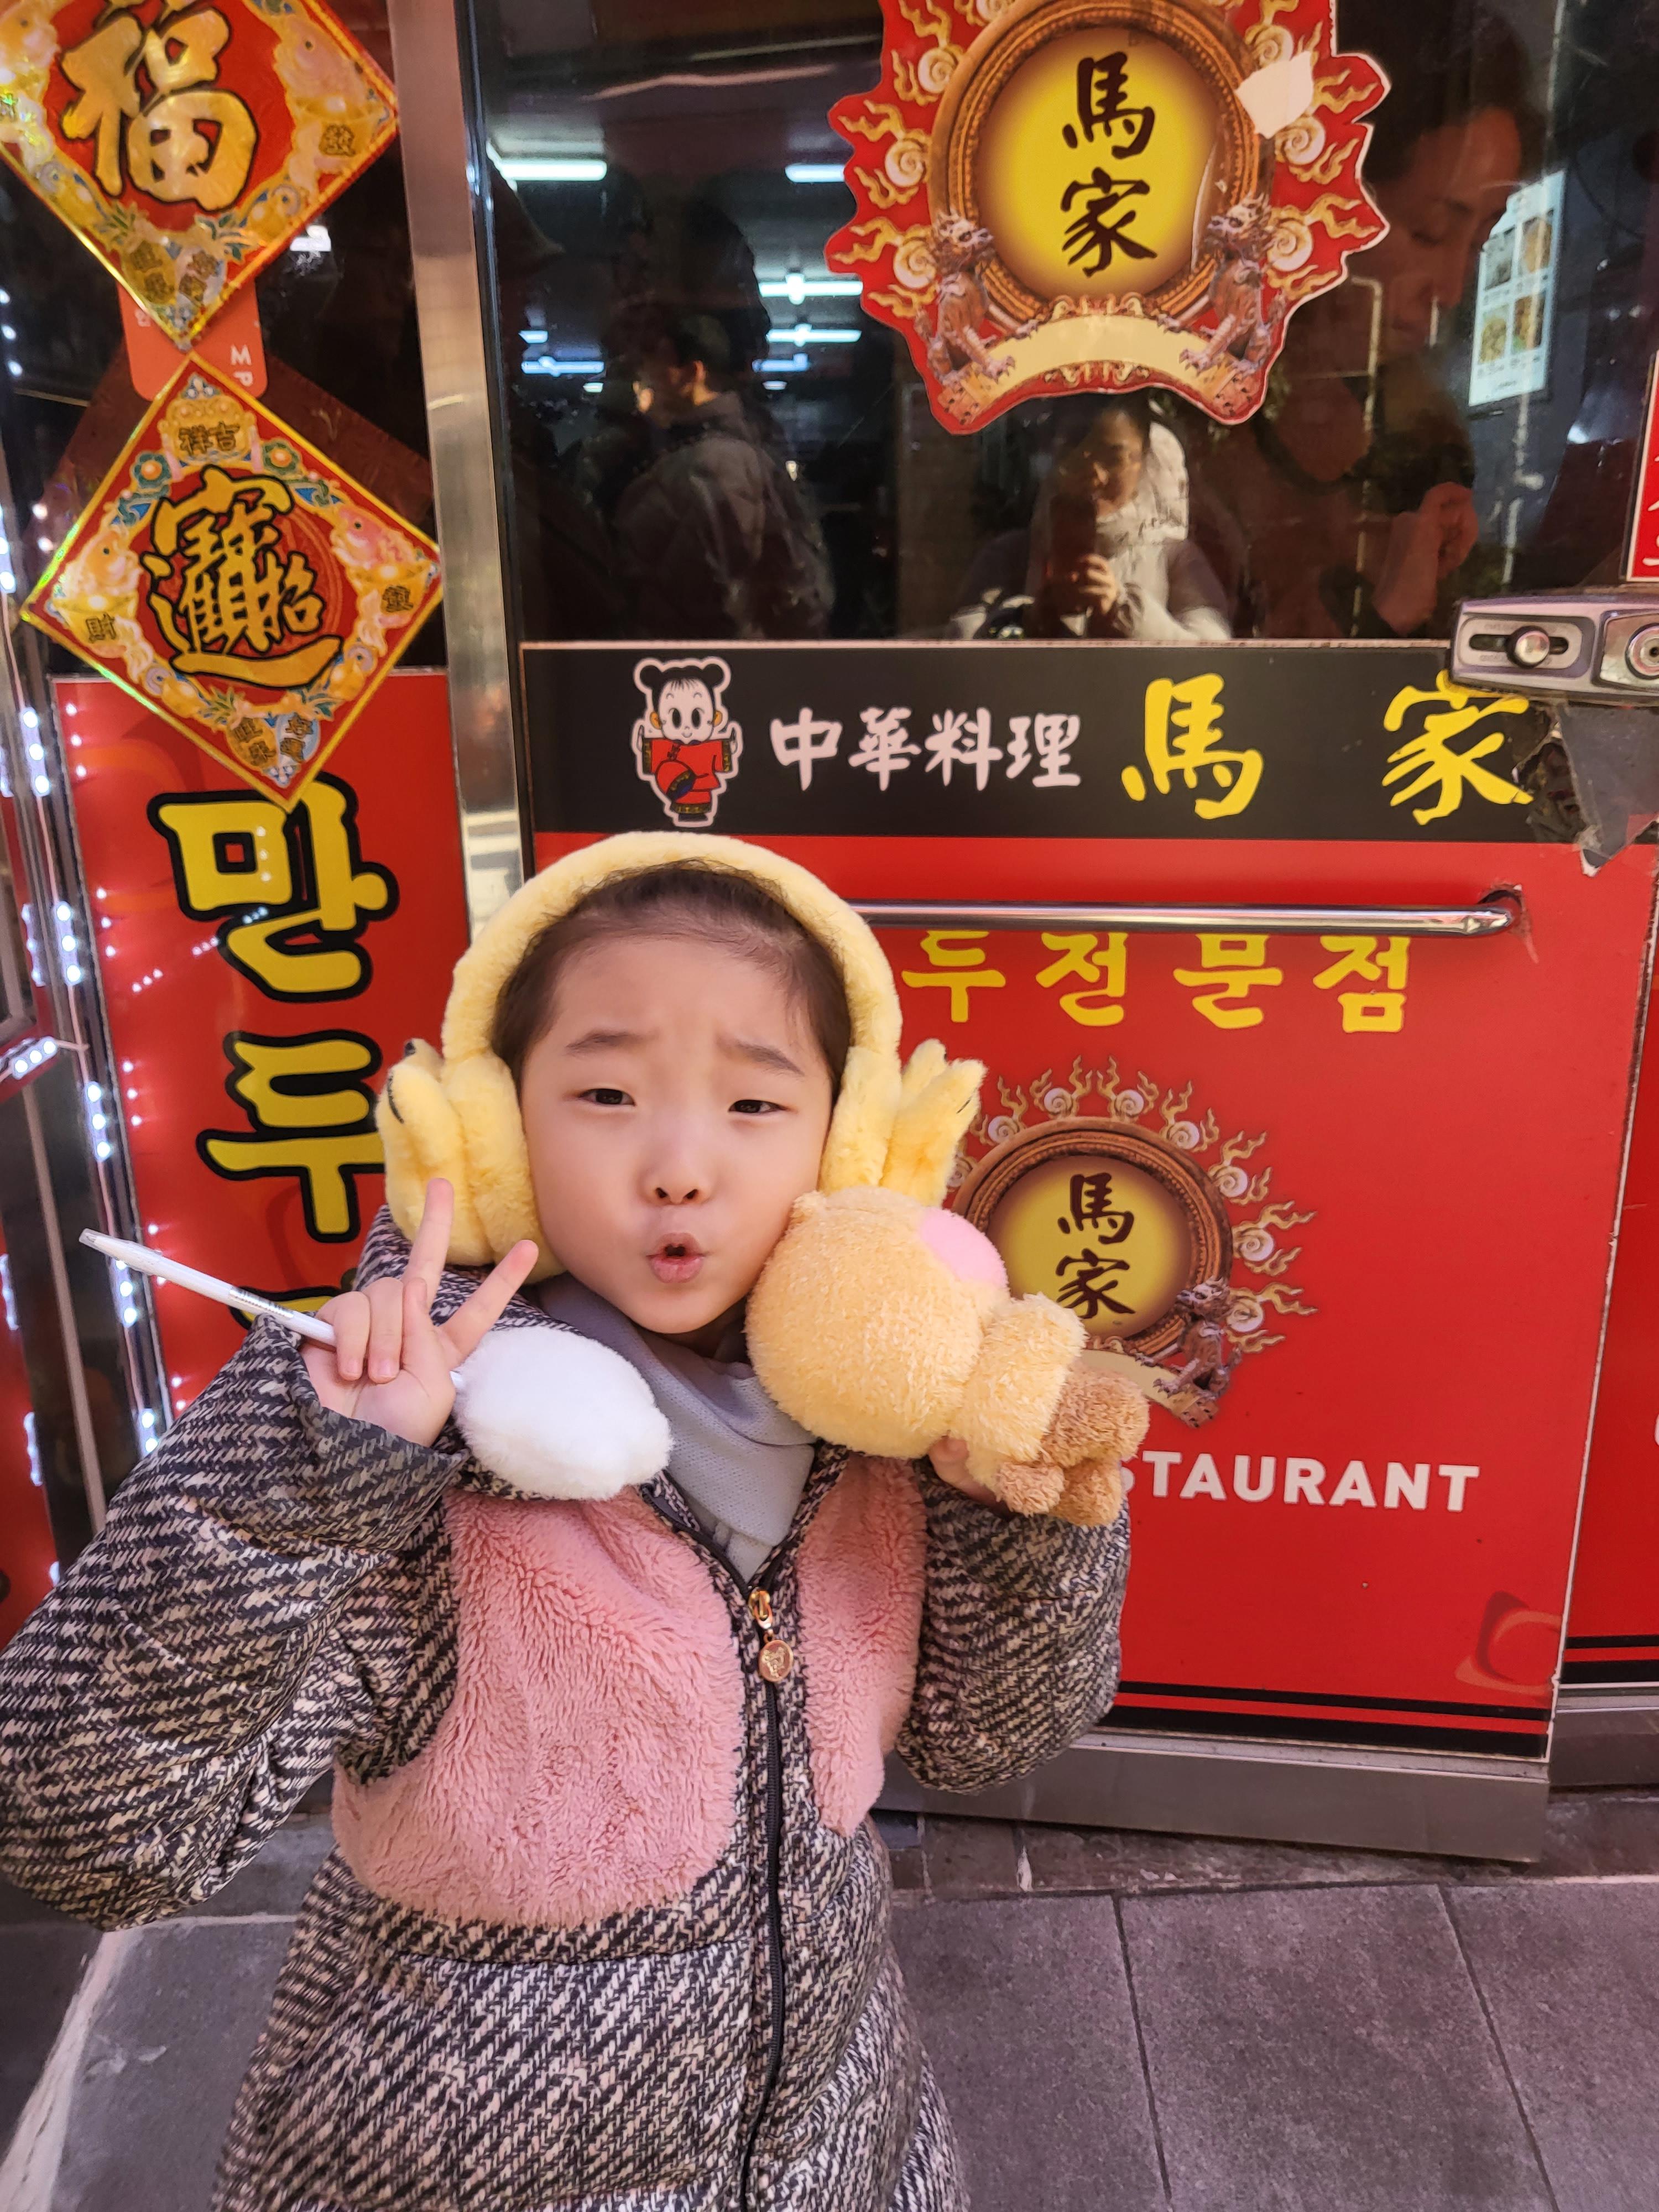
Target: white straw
[(144, 1262)]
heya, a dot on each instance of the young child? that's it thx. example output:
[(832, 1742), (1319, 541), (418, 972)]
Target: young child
[(606, 1925)]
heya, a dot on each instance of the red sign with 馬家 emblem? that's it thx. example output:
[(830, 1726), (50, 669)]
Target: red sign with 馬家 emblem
[(1098, 195), (1642, 551)]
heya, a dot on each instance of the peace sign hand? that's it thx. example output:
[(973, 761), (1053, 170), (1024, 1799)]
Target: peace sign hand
[(390, 1363)]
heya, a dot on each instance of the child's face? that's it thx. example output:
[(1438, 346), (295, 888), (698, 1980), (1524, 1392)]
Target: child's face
[(675, 1111)]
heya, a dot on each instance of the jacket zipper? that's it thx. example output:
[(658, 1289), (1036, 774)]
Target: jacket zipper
[(776, 1660), (773, 1663)]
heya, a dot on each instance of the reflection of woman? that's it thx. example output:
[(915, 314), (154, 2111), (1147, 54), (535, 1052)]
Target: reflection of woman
[(1346, 508), (1107, 555)]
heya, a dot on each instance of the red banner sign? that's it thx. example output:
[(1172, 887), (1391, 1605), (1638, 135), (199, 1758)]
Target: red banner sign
[(1642, 551), (1397, 1158), (1613, 1628), (27, 1551), (260, 964)]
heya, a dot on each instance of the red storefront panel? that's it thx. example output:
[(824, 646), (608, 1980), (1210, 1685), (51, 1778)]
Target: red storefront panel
[(260, 968)]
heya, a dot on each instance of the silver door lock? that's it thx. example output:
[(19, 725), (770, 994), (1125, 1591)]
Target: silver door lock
[(1592, 658), (1600, 646)]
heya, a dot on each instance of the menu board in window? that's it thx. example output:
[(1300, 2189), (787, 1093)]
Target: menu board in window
[(1514, 296)]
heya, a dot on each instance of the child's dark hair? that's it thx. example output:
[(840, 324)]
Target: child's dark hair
[(688, 899)]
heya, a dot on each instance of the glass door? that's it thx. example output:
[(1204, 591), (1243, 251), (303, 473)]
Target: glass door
[(1132, 729), (1460, 415)]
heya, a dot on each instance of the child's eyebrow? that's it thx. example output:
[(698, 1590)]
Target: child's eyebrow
[(606, 1040), (760, 1055)]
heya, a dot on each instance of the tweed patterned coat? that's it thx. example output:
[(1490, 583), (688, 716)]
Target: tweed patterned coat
[(521, 2003)]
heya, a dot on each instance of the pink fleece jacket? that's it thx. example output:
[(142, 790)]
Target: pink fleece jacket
[(587, 1763)]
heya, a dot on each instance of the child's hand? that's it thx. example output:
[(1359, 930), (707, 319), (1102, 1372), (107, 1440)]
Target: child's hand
[(389, 1363), (949, 1459)]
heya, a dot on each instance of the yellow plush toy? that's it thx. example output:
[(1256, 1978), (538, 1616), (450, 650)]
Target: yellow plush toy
[(881, 1321), (886, 1325)]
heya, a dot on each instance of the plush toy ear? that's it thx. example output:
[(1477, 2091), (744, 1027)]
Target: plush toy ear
[(422, 1137), (480, 1093), (937, 1101)]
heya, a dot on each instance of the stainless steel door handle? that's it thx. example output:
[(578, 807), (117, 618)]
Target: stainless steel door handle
[(1498, 911)]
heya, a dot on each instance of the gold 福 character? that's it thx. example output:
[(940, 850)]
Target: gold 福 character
[(103, 69)]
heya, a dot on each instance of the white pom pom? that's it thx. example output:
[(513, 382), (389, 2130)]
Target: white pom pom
[(557, 1416)]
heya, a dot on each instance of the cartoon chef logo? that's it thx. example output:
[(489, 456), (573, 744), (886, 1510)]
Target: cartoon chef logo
[(685, 743)]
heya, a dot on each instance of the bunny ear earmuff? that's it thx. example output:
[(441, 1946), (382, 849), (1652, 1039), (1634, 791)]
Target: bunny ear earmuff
[(458, 1116)]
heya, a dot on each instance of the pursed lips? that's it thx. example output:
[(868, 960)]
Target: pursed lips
[(676, 1259)]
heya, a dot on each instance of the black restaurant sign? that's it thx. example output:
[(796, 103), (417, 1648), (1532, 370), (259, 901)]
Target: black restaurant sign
[(965, 740)]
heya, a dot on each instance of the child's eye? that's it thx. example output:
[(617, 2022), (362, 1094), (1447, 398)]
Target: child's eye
[(755, 1106), (604, 1096)]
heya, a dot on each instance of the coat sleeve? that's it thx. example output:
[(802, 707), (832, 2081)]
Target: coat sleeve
[(260, 1595), (1019, 1639), (1194, 611)]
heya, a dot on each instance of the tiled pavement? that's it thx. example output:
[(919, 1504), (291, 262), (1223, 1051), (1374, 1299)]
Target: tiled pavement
[(1121, 2022)]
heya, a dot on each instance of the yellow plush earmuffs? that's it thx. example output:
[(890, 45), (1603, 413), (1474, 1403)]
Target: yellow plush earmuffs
[(879, 1321), (458, 1117)]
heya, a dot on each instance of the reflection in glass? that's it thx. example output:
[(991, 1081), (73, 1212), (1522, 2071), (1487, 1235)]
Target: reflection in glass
[(709, 439)]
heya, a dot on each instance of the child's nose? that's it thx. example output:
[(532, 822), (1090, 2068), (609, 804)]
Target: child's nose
[(678, 1191)]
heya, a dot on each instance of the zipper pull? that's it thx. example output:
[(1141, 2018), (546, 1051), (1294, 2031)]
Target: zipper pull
[(776, 1657)]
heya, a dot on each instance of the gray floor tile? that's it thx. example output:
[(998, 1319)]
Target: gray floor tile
[(40, 1972), (278, 1879), (18, 1909), (900, 1831), (1313, 2050), (1570, 1975), (970, 1858), (1586, 1831), (1132, 1863), (1600, 1831), (1025, 2009), (163, 2060)]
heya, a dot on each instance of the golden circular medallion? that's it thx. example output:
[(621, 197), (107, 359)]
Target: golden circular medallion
[(1094, 140), (1108, 1220), (776, 1660)]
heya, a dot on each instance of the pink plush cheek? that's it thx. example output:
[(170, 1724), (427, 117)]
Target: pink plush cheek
[(966, 1251)]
